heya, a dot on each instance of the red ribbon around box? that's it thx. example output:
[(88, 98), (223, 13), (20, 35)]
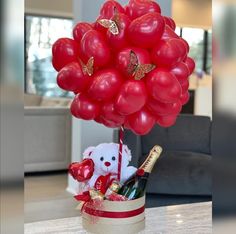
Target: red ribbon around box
[(110, 214)]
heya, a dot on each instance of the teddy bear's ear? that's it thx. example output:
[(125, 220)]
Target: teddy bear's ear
[(87, 153), (127, 152)]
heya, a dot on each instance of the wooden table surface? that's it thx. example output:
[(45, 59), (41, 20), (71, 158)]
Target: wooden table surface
[(193, 218)]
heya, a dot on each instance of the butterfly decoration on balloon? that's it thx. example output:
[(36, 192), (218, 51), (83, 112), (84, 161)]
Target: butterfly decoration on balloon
[(129, 68)]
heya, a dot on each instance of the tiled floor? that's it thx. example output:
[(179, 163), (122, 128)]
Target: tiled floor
[(46, 198)]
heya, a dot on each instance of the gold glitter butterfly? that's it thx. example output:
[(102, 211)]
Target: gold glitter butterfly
[(88, 68), (112, 25), (136, 69)]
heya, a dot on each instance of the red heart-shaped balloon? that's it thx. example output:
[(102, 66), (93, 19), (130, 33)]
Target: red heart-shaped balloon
[(137, 8), (167, 53), (119, 41), (191, 65), (84, 108), (185, 86), (163, 86), (80, 29), (170, 22), (82, 171), (109, 7), (72, 78), (105, 84), (93, 44), (184, 98), (131, 98), (108, 10), (141, 122), (169, 33), (146, 30), (123, 59), (166, 121), (181, 72), (64, 51), (109, 113), (162, 109)]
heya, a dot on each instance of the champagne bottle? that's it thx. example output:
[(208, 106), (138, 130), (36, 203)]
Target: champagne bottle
[(135, 187)]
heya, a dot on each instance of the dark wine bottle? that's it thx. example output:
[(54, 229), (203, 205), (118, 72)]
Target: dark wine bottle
[(135, 187)]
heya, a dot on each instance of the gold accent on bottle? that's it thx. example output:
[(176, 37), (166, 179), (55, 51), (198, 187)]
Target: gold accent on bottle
[(149, 163), (115, 186)]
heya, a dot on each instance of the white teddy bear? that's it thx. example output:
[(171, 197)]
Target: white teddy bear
[(105, 157)]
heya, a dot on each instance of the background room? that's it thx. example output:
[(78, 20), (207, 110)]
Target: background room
[(54, 139)]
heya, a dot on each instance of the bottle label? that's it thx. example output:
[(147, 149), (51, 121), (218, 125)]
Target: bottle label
[(149, 163)]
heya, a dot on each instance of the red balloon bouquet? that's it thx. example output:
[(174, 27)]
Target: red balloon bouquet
[(129, 68)]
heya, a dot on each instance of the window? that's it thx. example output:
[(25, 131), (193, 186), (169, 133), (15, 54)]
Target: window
[(41, 33), (200, 42)]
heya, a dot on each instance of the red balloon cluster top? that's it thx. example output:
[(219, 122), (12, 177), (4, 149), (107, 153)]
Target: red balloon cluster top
[(128, 68)]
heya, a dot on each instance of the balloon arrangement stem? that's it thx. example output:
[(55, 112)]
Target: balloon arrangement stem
[(121, 137)]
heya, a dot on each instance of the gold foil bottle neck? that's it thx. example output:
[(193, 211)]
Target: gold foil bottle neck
[(149, 163)]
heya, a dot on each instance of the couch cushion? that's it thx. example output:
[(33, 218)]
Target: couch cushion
[(190, 133), (183, 173)]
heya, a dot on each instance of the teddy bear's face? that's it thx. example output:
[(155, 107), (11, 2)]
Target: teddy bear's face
[(105, 157)]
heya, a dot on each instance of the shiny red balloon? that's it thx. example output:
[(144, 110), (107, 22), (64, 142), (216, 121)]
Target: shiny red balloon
[(166, 121), (126, 124), (82, 171), (191, 65), (105, 84), (163, 86), (118, 42), (108, 9), (80, 29), (170, 22), (185, 44), (137, 8), (185, 86), (123, 59), (146, 30), (84, 108), (184, 98), (109, 113), (141, 122), (64, 51), (169, 33), (93, 44), (162, 109), (131, 98), (72, 78), (181, 72), (167, 53)]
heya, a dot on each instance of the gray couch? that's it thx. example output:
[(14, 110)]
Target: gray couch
[(185, 165)]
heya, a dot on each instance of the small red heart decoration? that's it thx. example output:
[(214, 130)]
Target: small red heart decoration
[(82, 171)]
